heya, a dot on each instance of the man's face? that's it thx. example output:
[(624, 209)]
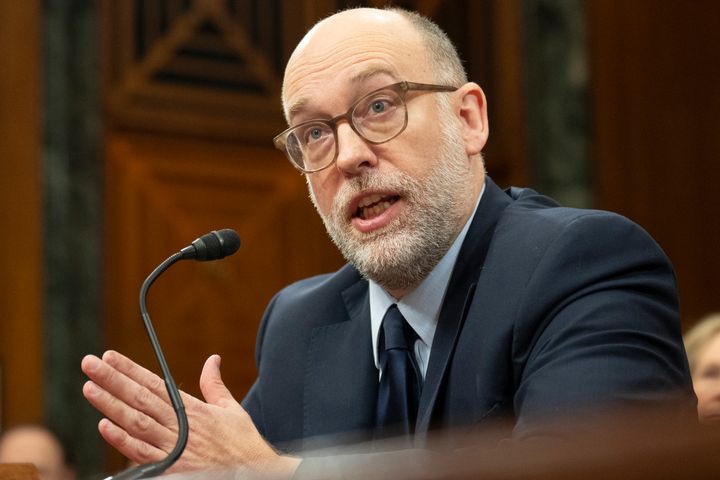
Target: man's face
[(393, 209)]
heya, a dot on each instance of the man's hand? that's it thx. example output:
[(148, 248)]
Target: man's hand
[(142, 425)]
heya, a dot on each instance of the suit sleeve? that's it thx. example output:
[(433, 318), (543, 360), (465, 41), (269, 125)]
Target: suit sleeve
[(598, 326), (252, 401)]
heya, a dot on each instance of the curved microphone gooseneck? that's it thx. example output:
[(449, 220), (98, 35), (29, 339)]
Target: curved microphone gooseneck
[(211, 246)]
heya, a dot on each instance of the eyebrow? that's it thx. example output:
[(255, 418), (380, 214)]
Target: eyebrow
[(356, 79), (369, 73)]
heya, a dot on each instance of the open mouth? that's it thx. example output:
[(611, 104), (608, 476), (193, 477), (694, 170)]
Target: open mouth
[(374, 205)]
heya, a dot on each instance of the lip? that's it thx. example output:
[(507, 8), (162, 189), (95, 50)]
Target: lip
[(371, 224)]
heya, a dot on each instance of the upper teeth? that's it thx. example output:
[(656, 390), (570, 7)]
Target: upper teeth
[(369, 200)]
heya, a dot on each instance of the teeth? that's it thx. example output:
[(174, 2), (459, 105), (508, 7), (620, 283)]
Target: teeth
[(375, 210), (369, 200)]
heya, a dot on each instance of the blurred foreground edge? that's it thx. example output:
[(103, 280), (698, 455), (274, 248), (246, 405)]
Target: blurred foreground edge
[(632, 445)]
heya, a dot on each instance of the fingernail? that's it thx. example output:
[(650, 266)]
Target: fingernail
[(89, 363), (90, 389)]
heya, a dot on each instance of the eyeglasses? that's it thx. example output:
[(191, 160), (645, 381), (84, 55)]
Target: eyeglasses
[(378, 117)]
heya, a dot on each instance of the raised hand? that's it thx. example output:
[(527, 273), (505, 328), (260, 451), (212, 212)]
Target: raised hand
[(141, 423)]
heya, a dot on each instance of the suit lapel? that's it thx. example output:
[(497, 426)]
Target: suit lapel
[(340, 376), (459, 294)]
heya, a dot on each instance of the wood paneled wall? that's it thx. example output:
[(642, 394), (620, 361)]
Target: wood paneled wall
[(655, 71), (21, 278)]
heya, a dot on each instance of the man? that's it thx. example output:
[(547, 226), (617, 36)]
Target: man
[(517, 308), (37, 445)]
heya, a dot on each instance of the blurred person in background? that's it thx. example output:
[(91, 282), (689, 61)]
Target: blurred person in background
[(702, 343), (39, 446)]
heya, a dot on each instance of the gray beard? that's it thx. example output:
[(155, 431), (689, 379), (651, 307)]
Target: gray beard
[(400, 255)]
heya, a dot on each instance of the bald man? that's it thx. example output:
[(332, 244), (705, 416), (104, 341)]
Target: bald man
[(39, 446), (511, 307)]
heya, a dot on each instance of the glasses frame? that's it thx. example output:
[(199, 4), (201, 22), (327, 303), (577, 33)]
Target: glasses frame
[(401, 88)]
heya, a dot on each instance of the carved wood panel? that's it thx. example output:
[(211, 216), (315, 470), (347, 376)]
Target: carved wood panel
[(205, 67)]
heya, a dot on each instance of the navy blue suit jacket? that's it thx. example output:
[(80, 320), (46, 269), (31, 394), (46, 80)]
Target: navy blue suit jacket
[(550, 312)]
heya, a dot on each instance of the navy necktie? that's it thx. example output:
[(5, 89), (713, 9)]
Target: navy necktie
[(400, 383)]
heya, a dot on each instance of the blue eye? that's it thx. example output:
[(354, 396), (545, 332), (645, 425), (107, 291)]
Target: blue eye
[(378, 106), (312, 135)]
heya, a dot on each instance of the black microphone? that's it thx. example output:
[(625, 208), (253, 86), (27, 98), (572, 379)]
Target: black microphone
[(211, 246)]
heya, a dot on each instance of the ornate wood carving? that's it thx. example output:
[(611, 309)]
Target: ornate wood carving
[(204, 67)]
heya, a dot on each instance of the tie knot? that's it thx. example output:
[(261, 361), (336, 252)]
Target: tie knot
[(398, 333)]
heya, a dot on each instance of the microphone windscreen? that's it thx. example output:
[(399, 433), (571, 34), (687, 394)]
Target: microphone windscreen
[(229, 240), (216, 245)]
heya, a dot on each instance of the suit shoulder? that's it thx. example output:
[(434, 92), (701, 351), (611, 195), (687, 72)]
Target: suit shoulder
[(534, 231), (535, 216), (317, 288)]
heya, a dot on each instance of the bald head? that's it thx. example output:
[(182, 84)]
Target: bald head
[(409, 41), (36, 445)]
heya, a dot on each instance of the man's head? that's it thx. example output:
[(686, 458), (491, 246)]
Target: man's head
[(37, 445), (394, 207)]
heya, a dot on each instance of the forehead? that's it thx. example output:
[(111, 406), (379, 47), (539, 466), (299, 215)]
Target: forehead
[(347, 52), (711, 352)]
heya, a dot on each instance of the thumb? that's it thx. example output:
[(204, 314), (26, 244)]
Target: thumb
[(211, 385)]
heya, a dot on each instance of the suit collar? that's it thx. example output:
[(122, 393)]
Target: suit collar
[(460, 291)]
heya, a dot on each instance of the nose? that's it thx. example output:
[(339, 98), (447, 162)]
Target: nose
[(354, 154)]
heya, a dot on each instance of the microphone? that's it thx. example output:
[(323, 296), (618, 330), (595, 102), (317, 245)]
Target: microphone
[(211, 246)]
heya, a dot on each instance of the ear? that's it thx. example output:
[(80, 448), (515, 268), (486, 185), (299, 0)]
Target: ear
[(473, 116)]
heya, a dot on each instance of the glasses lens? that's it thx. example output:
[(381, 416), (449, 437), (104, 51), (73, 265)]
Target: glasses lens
[(380, 116), (311, 146)]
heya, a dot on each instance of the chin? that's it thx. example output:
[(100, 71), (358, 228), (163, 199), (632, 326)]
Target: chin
[(710, 416)]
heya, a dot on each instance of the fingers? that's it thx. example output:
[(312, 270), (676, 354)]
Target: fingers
[(212, 386), (133, 421), (145, 392), (145, 377), (137, 407), (134, 449), (137, 373)]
